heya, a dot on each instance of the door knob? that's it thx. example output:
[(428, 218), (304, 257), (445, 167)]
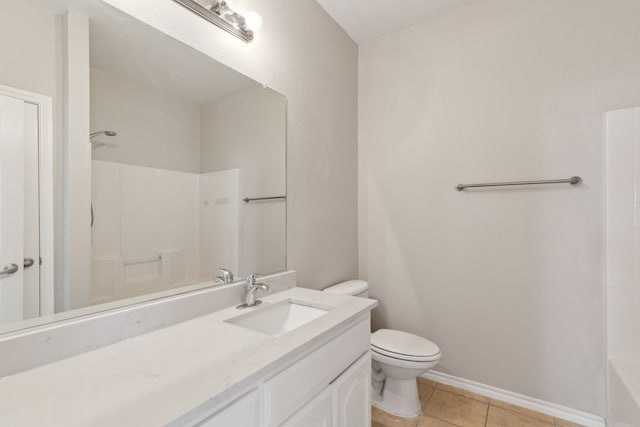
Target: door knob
[(9, 269), (28, 262)]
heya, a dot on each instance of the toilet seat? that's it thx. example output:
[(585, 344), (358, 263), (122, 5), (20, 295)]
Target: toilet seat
[(404, 346), (408, 365)]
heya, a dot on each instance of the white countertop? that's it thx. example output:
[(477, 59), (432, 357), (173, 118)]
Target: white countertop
[(152, 379)]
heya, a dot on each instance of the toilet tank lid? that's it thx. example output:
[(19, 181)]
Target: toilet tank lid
[(351, 287)]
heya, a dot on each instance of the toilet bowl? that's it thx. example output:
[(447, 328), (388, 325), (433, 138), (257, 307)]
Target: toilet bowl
[(401, 356)]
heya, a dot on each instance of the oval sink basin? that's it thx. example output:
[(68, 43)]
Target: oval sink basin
[(278, 319)]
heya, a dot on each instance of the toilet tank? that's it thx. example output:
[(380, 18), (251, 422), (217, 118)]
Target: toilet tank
[(356, 288)]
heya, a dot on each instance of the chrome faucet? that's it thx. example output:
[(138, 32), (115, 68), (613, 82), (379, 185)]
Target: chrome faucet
[(227, 277), (250, 290)]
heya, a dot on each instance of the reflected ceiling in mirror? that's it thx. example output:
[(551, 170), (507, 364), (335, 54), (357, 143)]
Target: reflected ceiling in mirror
[(171, 142)]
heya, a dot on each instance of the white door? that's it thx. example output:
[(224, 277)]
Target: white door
[(11, 208), (31, 252)]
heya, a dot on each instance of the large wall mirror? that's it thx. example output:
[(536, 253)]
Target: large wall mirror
[(143, 164)]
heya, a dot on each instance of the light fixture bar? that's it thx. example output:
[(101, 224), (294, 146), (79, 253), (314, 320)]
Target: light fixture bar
[(217, 20)]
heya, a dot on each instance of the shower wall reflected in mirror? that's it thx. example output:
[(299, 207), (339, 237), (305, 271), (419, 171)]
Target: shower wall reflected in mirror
[(175, 141), (176, 155)]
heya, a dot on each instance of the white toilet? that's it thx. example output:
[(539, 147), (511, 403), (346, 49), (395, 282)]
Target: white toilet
[(401, 356)]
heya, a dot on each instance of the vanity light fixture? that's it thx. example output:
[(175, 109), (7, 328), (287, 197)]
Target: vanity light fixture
[(220, 14), (253, 21)]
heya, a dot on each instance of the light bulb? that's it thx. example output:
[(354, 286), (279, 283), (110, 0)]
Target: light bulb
[(253, 21)]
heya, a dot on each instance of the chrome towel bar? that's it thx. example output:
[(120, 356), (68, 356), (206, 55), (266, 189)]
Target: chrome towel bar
[(156, 258), (247, 199), (574, 180)]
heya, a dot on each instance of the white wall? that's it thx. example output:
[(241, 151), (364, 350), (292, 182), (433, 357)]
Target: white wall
[(509, 282), (142, 213), (76, 164), (623, 305), (301, 53), (246, 131), (190, 220), (219, 232), (155, 130)]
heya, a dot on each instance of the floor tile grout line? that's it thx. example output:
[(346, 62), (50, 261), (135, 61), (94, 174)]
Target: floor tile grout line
[(424, 411), (486, 417), (440, 419), (466, 396), (430, 397), (463, 395), (455, 394), (554, 424)]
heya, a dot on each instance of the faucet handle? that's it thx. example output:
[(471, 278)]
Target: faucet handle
[(250, 291), (227, 275), (251, 279)]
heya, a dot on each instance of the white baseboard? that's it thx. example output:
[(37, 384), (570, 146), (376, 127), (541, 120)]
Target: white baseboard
[(548, 408)]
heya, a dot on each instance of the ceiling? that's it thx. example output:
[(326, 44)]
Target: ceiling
[(139, 54), (365, 20), (132, 51)]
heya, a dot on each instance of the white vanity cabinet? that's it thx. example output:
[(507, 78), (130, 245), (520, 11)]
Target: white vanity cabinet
[(328, 387), (344, 403), (244, 412), (319, 412), (292, 388), (352, 395)]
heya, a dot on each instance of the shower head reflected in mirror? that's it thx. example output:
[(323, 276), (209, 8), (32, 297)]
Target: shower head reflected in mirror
[(102, 132), (96, 144)]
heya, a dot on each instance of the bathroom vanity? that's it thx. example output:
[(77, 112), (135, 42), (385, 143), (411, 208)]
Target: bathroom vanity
[(216, 370)]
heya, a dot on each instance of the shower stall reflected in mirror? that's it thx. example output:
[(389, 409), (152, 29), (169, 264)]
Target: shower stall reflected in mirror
[(173, 155), (166, 195)]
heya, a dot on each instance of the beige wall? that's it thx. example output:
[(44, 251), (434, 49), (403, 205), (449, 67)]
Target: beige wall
[(29, 64), (154, 129), (508, 282), (246, 131), (301, 53)]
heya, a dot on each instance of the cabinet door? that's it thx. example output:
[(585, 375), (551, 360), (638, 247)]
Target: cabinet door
[(317, 413), (352, 394), (288, 391), (243, 412)]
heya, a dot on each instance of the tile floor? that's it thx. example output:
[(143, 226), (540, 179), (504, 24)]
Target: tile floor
[(446, 406)]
